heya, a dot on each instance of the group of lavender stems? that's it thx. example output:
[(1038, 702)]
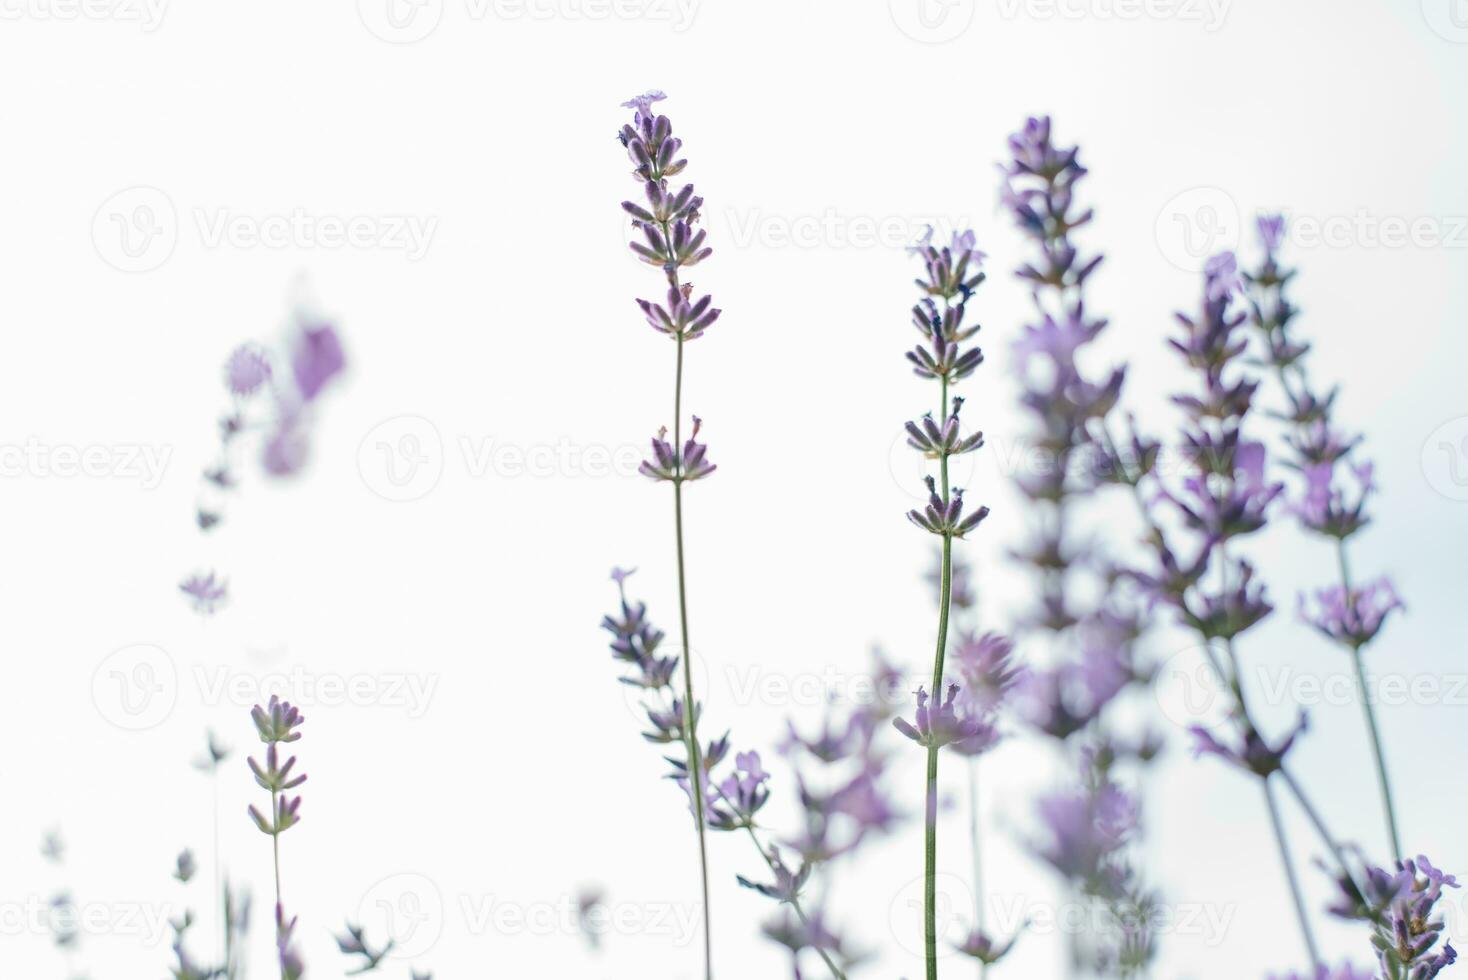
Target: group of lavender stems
[(1194, 571)]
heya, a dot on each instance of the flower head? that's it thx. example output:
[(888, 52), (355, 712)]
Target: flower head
[(1351, 617), (246, 370), (316, 358), (206, 591)]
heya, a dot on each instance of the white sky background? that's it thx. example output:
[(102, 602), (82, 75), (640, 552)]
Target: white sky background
[(511, 325)]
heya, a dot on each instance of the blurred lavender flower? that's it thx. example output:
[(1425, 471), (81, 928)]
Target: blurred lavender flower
[(291, 965), (1352, 619), (185, 867), (294, 378), (316, 358), (1086, 613), (988, 667), (354, 942), (1251, 753), (206, 591), (986, 949), (247, 369)]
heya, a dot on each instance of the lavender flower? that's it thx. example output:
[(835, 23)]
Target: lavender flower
[(1251, 753), (291, 966), (946, 518), (678, 467), (247, 369), (1402, 907), (984, 948), (942, 725), (206, 591), (988, 667), (316, 358), (185, 867), (354, 942), (1352, 618)]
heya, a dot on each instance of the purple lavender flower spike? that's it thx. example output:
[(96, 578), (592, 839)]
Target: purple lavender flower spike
[(354, 942), (206, 591)]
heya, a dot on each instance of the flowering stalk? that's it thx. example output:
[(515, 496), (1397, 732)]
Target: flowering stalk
[(1225, 497), (276, 724), (1088, 832), (1348, 615), (671, 244), (276, 394), (952, 273)]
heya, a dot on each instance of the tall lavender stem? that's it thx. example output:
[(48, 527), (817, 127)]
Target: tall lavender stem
[(1350, 616), (667, 224), (952, 274)]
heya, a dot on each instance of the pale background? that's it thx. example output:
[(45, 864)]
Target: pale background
[(824, 136)]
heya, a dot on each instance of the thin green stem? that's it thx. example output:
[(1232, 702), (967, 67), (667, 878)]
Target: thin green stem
[(275, 841), (794, 903), (930, 837), (1313, 815), (1290, 874), (976, 843), (1369, 711), (690, 713)]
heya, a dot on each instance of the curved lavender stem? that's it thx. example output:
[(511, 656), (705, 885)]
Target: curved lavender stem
[(930, 808), (1291, 876), (695, 759), (1369, 713), (794, 902), (1324, 509)]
